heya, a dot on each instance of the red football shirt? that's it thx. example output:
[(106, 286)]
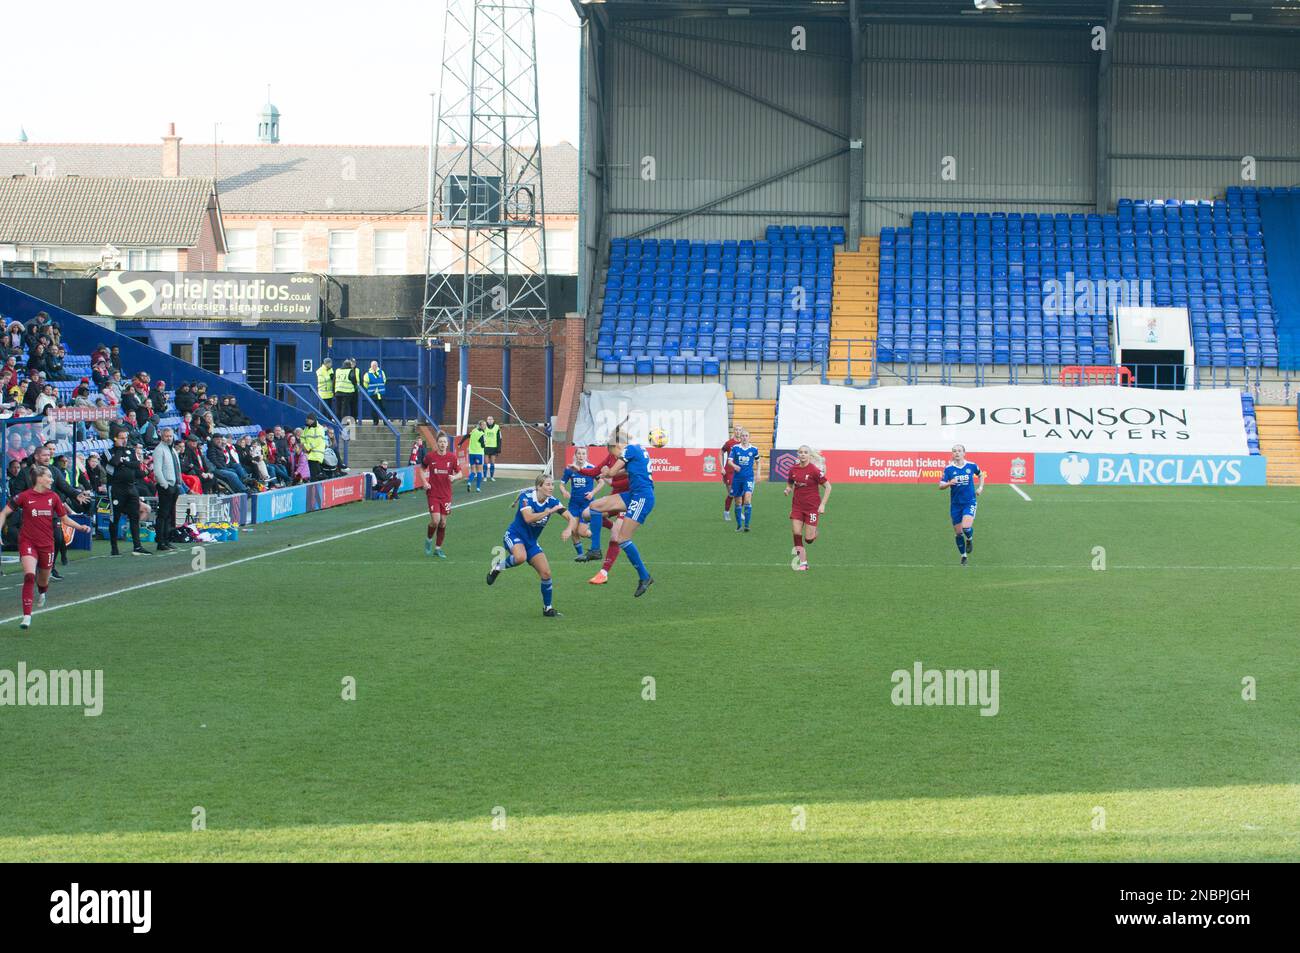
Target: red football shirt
[(621, 481), (726, 453), (39, 510), (805, 480), (438, 471)]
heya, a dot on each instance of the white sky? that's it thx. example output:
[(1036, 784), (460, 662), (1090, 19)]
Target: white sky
[(340, 72)]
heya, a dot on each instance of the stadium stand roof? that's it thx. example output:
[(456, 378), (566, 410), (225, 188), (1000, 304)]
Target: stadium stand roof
[(1199, 14), (279, 177), (76, 210)]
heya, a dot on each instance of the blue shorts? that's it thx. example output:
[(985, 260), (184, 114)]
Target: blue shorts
[(476, 459), (576, 505), (531, 548), (960, 510), (741, 485), (637, 508)]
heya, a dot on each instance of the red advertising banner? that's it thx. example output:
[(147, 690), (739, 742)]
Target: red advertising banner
[(343, 490), (672, 464), (908, 466)]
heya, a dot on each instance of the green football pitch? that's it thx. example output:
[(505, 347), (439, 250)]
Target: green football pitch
[(738, 711)]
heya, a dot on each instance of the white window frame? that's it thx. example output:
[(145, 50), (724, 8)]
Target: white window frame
[(241, 257), (343, 251), (286, 250), (390, 260), (144, 259), (560, 261)]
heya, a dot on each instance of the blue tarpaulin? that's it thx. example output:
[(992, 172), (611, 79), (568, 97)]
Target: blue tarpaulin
[(1279, 216)]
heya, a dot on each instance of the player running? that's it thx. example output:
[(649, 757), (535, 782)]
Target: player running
[(43, 513), (635, 503), (441, 470), (807, 478), (744, 457), (534, 507), (728, 471), (959, 477), (582, 477)]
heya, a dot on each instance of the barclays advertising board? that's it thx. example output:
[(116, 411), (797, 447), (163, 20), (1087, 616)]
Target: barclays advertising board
[(277, 504), (1100, 469)]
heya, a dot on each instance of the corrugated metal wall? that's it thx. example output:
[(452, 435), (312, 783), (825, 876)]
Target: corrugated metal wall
[(591, 199), (1189, 107), (1013, 107), (708, 141)]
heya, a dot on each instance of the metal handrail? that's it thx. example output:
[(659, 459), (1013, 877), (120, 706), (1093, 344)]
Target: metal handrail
[(397, 437), (420, 410), (325, 412)]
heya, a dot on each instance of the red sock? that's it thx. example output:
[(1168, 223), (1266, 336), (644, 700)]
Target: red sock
[(726, 507), (798, 540), (442, 531), (428, 530), (606, 522), (29, 589), (611, 554), (42, 589)]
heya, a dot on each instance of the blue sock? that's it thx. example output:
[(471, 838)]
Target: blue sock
[(749, 508), (634, 557), (969, 534), (961, 544), (510, 561), (577, 544), (596, 524), (546, 593), (480, 479), (492, 469)]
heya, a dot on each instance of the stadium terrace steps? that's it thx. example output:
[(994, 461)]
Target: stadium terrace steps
[(1279, 442), (853, 312), (373, 443), (759, 418)]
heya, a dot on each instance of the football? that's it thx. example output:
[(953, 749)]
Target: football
[(658, 438)]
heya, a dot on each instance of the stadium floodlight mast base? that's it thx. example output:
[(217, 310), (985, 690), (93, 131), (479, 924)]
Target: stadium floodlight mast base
[(485, 254)]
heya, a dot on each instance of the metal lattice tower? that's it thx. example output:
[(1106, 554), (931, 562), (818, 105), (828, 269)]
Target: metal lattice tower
[(485, 179)]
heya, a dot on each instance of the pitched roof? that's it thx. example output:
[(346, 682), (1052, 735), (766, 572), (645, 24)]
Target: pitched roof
[(91, 210), (279, 177)]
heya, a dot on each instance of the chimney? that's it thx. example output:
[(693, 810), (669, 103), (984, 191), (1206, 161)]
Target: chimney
[(171, 153)]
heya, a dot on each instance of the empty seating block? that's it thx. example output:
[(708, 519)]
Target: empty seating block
[(684, 307), (999, 288)]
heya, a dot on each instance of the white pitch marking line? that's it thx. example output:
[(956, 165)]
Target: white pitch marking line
[(1020, 491), (249, 559)]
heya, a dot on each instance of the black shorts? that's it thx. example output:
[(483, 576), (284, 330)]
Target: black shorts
[(491, 451)]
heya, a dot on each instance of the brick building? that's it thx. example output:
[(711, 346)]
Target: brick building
[(330, 209), (151, 222)]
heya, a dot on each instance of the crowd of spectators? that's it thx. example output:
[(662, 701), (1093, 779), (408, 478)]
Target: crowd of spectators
[(197, 457)]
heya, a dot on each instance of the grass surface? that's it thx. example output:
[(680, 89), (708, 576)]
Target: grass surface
[(1119, 689)]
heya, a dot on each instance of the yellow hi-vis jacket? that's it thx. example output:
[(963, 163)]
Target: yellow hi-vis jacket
[(325, 381), (345, 381), (313, 441)]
